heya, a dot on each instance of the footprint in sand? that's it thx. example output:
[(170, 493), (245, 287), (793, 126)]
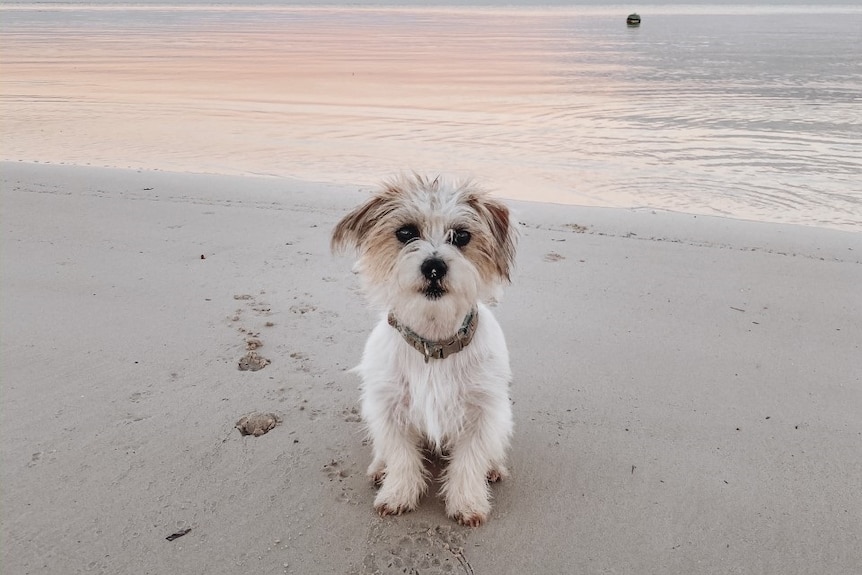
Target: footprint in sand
[(262, 309), (302, 309), (338, 474), (577, 228), (553, 257), (252, 342), (436, 550), (351, 415), (257, 424), (252, 361)]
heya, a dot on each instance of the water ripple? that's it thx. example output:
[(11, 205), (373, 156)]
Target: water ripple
[(748, 113)]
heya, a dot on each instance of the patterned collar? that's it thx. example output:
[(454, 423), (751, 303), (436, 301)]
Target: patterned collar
[(439, 349)]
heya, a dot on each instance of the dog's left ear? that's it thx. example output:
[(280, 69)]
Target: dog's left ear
[(353, 228), (504, 232)]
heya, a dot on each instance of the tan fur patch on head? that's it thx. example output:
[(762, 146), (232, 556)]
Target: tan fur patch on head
[(436, 210), (498, 246), (354, 228)]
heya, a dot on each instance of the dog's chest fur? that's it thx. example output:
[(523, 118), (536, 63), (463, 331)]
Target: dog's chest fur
[(434, 398), (437, 399)]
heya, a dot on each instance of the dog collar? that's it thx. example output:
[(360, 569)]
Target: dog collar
[(439, 349)]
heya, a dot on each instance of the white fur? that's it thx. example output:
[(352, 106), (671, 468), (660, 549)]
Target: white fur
[(458, 406)]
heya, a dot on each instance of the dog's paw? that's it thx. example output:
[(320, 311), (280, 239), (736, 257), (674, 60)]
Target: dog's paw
[(387, 509), (386, 506), (471, 519), (399, 493), (470, 510), (376, 472), (497, 474), (376, 475)]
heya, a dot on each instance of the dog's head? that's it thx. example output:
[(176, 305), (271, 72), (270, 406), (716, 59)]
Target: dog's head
[(430, 246)]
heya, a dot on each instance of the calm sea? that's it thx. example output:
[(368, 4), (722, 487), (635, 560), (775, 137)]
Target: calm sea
[(748, 111)]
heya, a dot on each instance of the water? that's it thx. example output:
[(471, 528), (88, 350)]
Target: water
[(752, 112)]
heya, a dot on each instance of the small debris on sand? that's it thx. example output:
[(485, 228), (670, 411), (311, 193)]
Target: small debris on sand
[(178, 534)]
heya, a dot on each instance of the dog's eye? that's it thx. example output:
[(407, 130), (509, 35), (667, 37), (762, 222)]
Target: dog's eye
[(460, 238), (407, 233)]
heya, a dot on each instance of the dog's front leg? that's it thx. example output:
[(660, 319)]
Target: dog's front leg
[(465, 485), (398, 461), (477, 457)]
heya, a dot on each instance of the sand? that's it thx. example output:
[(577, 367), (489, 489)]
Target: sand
[(687, 389)]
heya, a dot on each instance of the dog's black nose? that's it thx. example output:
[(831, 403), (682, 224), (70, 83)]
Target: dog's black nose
[(434, 269)]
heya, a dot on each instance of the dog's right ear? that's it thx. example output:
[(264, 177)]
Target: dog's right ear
[(353, 229)]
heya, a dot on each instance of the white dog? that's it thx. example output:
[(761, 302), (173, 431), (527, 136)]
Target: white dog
[(435, 370)]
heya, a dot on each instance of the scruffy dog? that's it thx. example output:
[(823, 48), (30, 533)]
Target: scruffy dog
[(435, 370)]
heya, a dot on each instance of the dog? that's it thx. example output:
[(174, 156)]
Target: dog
[(435, 370)]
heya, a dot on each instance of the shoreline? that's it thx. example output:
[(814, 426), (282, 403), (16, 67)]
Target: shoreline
[(686, 393), (614, 218)]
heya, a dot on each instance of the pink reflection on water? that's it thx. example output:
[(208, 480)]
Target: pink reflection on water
[(552, 105), (335, 100)]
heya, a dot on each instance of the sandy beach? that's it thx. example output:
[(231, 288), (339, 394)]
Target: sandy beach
[(687, 389)]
